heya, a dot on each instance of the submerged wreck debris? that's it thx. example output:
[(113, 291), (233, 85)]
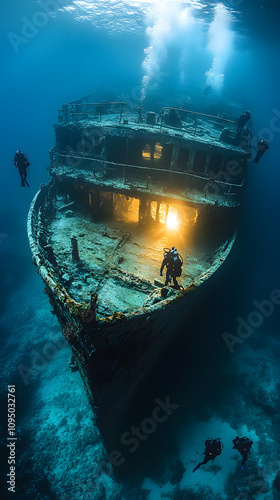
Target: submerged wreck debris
[(75, 252), (124, 185)]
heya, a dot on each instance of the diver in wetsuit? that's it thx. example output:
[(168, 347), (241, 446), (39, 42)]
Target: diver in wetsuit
[(21, 162), (241, 121), (262, 146), (243, 445), (213, 448), (173, 263)]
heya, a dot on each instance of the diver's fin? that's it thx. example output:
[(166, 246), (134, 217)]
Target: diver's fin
[(197, 467), (27, 183)]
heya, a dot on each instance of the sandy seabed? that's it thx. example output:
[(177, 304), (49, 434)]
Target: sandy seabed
[(60, 453)]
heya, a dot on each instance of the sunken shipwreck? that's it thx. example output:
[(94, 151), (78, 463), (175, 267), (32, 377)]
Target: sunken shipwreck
[(124, 185)]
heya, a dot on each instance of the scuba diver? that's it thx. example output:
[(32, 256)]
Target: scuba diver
[(213, 448), (21, 162), (173, 263), (241, 121), (262, 146), (243, 445)]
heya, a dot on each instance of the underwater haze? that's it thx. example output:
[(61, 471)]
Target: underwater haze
[(144, 53)]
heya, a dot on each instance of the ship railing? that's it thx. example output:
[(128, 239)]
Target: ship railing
[(84, 110), (147, 177), (176, 118), (183, 120)]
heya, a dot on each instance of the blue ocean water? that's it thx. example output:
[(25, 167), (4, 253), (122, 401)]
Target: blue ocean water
[(56, 51)]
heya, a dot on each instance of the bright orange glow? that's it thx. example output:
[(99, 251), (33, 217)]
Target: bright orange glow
[(172, 220), (162, 213), (146, 153), (126, 209), (158, 151), (154, 210)]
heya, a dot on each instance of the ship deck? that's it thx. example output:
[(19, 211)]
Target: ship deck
[(189, 162), (120, 261), (201, 129), (205, 196)]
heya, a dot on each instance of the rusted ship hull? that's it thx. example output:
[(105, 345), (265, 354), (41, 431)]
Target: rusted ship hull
[(118, 179), (113, 354)]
